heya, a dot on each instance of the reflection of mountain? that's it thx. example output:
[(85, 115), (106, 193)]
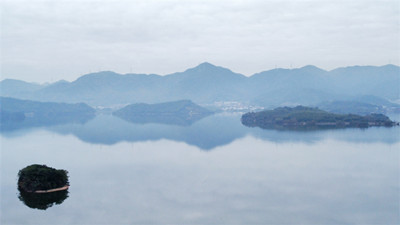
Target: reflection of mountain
[(207, 133), (183, 113), (42, 201), (19, 114), (31, 123), (210, 132)]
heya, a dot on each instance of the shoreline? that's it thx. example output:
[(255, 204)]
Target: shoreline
[(52, 190)]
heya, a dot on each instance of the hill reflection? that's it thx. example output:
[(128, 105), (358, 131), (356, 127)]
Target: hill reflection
[(42, 121), (165, 119), (207, 133)]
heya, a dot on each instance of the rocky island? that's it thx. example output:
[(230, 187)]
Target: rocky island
[(302, 117)]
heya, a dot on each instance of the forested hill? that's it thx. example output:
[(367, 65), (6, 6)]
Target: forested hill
[(306, 117)]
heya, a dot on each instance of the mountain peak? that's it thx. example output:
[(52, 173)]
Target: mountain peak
[(206, 65), (98, 75), (312, 68), (207, 69)]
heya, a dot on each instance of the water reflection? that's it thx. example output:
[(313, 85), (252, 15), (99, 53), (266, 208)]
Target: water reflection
[(44, 121), (42, 201), (169, 119), (250, 181), (207, 133)]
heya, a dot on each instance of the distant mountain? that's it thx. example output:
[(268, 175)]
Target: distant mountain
[(182, 112), (17, 113), (362, 105), (383, 81), (377, 101), (16, 88), (355, 107), (291, 86), (207, 83)]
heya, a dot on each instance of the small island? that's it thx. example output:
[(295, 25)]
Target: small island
[(302, 117), (42, 179), (182, 113)]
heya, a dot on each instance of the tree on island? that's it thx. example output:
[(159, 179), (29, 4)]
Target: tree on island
[(36, 177)]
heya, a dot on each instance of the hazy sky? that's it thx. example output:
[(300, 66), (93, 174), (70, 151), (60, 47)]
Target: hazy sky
[(45, 41)]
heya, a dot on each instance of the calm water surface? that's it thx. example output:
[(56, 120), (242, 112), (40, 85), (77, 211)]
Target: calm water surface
[(215, 171)]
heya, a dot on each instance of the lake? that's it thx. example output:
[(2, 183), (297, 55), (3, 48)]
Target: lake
[(214, 171)]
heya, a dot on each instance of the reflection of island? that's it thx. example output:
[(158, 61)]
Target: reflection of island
[(42, 201), (17, 114), (182, 113), (300, 117)]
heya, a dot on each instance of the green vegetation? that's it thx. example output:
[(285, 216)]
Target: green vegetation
[(306, 117), (41, 177)]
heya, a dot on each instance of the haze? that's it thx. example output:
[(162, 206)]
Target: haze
[(46, 41)]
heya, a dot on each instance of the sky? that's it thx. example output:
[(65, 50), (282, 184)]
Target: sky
[(46, 41)]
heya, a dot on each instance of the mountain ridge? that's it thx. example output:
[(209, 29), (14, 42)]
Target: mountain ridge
[(392, 66), (207, 83)]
